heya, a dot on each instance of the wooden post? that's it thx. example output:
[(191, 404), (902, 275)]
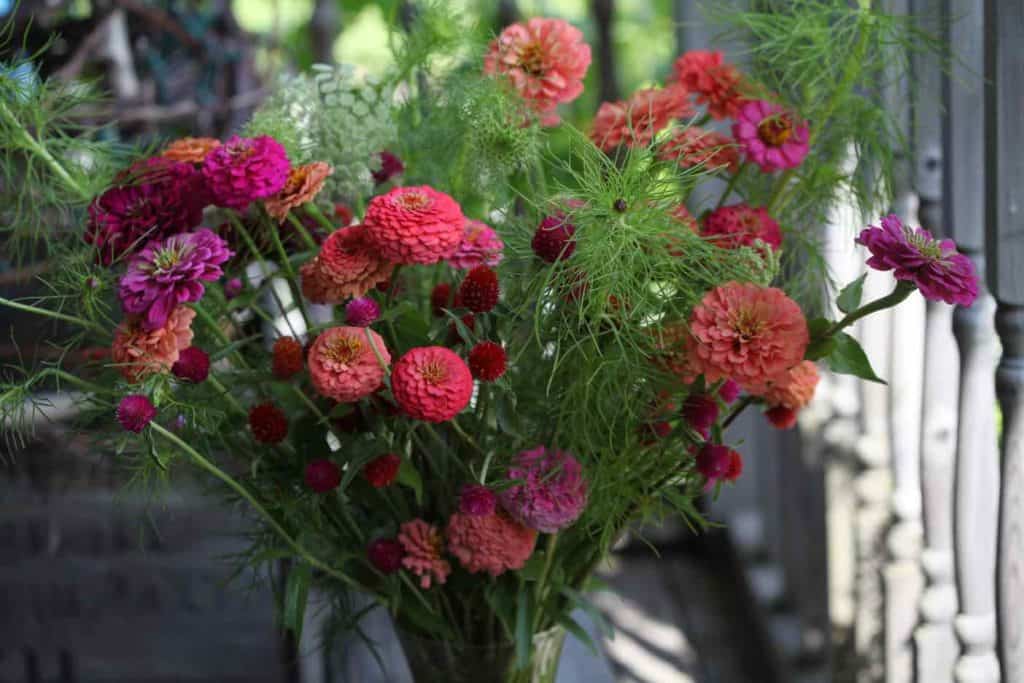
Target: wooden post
[(1004, 161), (604, 15)]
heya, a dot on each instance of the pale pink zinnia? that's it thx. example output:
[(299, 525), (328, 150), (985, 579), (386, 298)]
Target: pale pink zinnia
[(746, 332), (796, 389), (423, 547), (544, 59), (635, 122), (770, 136), (139, 352), (344, 364), (480, 246)]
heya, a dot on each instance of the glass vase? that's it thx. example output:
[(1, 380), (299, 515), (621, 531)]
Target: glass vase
[(440, 661)]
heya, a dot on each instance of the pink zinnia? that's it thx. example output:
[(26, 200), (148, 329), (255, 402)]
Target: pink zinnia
[(693, 146), (635, 122), (796, 389), (139, 352), (431, 383), (746, 332), (548, 492), (134, 412), (771, 137), (414, 224), (246, 169), (544, 59), (934, 266), (741, 225), (347, 266), (423, 547), (493, 543), (716, 82), (170, 272), (343, 363), (480, 246)]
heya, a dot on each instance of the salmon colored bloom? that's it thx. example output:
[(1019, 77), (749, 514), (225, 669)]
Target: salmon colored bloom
[(693, 146), (493, 543), (414, 224), (796, 389), (423, 546), (715, 82), (746, 332), (139, 352), (190, 150), (635, 122), (303, 184), (347, 266), (431, 383), (343, 363), (545, 60)]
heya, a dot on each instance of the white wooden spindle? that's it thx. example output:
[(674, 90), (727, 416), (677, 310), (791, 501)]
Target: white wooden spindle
[(1004, 160)]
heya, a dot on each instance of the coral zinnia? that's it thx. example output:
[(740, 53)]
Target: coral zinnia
[(796, 389), (487, 361), (693, 146), (385, 554), (553, 239), (715, 82), (193, 365), (190, 150), (740, 225), (431, 383), (243, 170), (171, 272), (381, 471), (361, 312), (134, 412), (635, 122), (746, 332), (346, 266), (479, 290), (480, 246), (287, 357), (770, 136), (139, 352), (303, 184), (544, 59), (548, 492), (322, 476), (915, 256), (493, 543), (269, 424), (343, 363), (423, 546), (414, 224), (477, 500), (153, 199)]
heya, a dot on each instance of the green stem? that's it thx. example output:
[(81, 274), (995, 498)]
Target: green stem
[(306, 237), (745, 402), (542, 588), (39, 150), (314, 211), (82, 322), (211, 322), (226, 395), (902, 290), (293, 278), (466, 437), (732, 184)]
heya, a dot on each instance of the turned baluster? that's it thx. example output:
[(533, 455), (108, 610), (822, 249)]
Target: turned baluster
[(1004, 158)]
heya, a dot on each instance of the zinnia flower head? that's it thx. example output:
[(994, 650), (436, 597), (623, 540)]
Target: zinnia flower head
[(796, 389), (716, 82), (390, 166), (347, 266), (741, 225), (382, 471), (913, 255), (548, 493), (193, 365), (190, 150), (479, 290), (431, 383), (544, 59), (303, 185), (322, 476), (414, 224), (243, 170), (553, 240), (636, 121), (268, 423), (693, 146), (746, 332), (361, 312), (170, 272), (700, 412), (770, 136), (423, 548), (385, 554), (487, 361), (477, 500), (134, 412), (139, 352), (480, 246), (493, 543), (343, 363), (153, 199), (287, 357)]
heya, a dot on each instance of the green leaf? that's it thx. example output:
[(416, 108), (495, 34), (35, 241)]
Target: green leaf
[(409, 476), (573, 627), (524, 627), (848, 358), (295, 594), (850, 297), (817, 326), (819, 349), (534, 566)]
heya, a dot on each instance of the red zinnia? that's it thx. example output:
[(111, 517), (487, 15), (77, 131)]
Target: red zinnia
[(431, 383), (414, 225), (479, 291), (487, 361), (287, 357), (740, 225), (322, 476), (269, 424), (381, 472)]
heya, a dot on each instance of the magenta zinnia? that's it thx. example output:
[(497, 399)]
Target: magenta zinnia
[(770, 136), (934, 266), (171, 272), (548, 493), (245, 169)]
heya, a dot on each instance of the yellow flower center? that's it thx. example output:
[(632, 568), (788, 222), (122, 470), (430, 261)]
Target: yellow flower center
[(413, 200), (775, 130), (746, 325), (343, 349), (531, 59), (433, 372)]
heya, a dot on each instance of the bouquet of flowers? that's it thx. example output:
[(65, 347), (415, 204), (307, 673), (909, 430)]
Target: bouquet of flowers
[(447, 349)]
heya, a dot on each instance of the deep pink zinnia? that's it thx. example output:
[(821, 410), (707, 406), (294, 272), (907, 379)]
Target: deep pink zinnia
[(134, 412), (913, 255), (548, 492), (772, 137), (153, 199), (245, 169), (170, 272), (741, 225), (544, 59)]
